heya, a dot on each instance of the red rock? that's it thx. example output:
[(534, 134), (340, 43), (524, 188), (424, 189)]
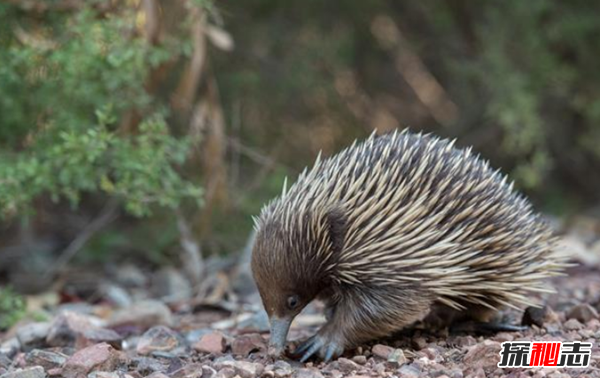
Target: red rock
[(246, 344), (213, 342), (96, 357)]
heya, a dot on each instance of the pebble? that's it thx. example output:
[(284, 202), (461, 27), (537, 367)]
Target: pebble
[(98, 335), (483, 355), (170, 285), (419, 343), (47, 359), (10, 347), (103, 374), (346, 365), (504, 336), (248, 369), (572, 325), (462, 341), (282, 369), (308, 373), (361, 360), (213, 342), (96, 357), (159, 338), (70, 328), (145, 314), (33, 335), (157, 375), (30, 372), (534, 316), (246, 344), (66, 326), (583, 312), (409, 371), (225, 373), (397, 358), (382, 351)]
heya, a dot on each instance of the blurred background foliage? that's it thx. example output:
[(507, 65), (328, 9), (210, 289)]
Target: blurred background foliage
[(151, 130)]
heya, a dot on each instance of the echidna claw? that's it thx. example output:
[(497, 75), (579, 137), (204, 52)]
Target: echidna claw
[(326, 349)]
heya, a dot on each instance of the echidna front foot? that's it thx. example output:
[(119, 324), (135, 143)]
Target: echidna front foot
[(319, 344)]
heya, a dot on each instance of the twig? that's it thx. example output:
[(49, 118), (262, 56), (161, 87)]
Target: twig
[(193, 262), (106, 216)]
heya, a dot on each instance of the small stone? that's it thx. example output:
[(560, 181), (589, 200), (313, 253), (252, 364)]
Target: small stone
[(10, 347), (583, 312), (409, 371), (382, 351), (504, 336), (170, 285), (159, 338), (483, 355), (188, 371), (208, 372), (308, 373), (282, 369), (67, 327), (46, 359), (213, 342), (380, 369), (97, 336), (147, 365), (144, 314), (534, 316), (572, 325), (397, 358), (226, 373), (5, 362), (462, 341), (224, 361), (96, 357), (347, 365), (33, 335), (419, 343), (475, 373), (361, 360), (103, 374), (246, 344), (248, 369), (30, 372)]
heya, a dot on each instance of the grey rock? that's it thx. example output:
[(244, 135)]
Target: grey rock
[(307, 373), (159, 338), (144, 314), (171, 285), (30, 372), (45, 358), (33, 335)]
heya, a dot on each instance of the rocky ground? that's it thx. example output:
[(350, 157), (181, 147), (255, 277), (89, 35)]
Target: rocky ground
[(123, 334)]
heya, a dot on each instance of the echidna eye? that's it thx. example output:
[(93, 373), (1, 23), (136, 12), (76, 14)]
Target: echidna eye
[(292, 302)]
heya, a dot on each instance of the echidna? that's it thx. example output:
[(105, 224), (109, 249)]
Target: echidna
[(390, 230)]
